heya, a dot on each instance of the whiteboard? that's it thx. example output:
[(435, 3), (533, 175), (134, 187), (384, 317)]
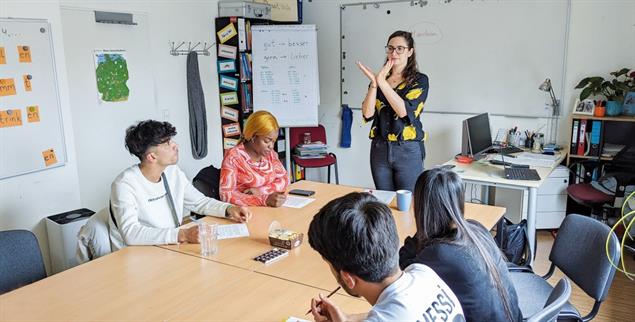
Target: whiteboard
[(480, 56), (285, 73), (35, 140)]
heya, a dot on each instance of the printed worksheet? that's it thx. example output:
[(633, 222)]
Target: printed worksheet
[(297, 202)]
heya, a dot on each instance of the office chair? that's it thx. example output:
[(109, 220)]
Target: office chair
[(20, 260), (606, 201), (207, 181), (556, 300), (318, 133), (579, 252)]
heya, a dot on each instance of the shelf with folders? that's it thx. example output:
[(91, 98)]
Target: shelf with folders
[(596, 141), (234, 66)]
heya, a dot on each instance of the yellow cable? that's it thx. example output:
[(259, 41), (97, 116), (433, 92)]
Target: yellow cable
[(608, 239), (627, 232), (622, 212)]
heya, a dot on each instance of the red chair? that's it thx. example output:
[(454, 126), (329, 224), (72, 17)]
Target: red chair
[(318, 133)]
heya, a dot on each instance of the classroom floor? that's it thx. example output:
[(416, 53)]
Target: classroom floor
[(620, 304)]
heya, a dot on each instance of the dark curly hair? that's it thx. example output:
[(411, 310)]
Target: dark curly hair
[(410, 72), (356, 233), (146, 134)]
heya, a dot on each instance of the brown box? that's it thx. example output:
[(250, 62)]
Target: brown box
[(284, 238)]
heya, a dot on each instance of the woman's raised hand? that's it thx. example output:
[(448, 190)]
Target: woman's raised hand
[(369, 73), (383, 73)]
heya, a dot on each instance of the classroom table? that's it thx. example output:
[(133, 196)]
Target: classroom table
[(304, 265), (144, 283), (486, 174)]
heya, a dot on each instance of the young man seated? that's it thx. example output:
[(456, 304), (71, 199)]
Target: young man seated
[(357, 236), (148, 198)]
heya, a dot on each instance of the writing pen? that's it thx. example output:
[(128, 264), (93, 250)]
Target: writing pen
[(331, 294)]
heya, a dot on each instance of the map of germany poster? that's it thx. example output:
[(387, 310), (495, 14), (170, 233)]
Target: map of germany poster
[(111, 70)]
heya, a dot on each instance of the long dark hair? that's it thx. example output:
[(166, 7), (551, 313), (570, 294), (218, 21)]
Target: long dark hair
[(439, 203), (411, 71)]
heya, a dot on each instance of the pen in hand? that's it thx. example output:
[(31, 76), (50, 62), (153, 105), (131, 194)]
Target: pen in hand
[(328, 296)]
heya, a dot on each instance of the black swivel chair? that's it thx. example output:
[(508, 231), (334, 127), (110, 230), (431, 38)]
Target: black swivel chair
[(607, 203), (20, 260), (579, 252)]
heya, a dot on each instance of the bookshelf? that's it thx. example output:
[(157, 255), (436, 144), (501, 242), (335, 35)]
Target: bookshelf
[(616, 130), (235, 85)]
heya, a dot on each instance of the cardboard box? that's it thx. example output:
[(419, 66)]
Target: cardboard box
[(285, 238)]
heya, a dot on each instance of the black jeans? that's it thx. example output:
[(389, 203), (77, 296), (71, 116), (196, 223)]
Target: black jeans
[(396, 165)]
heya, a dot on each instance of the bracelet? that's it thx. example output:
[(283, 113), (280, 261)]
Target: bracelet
[(227, 212)]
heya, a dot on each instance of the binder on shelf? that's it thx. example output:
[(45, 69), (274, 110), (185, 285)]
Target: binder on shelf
[(242, 35), (574, 137), (582, 138), (596, 130)]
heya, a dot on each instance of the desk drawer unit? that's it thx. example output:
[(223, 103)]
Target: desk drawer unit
[(552, 199)]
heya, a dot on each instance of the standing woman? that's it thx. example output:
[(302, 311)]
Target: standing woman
[(394, 102)]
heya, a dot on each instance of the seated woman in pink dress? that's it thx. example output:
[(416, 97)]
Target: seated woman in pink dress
[(251, 173)]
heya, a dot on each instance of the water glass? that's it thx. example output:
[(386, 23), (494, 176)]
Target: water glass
[(404, 198), (208, 237)]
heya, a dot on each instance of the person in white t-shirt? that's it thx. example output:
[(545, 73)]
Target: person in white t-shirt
[(147, 199), (357, 236)]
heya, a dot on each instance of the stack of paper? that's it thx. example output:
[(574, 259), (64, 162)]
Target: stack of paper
[(383, 196), (313, 150)]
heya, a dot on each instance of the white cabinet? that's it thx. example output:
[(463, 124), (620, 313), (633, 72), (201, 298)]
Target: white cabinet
[(552, 199)]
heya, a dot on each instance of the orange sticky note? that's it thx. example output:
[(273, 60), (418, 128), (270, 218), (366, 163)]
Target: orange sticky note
[(27, 82), (7, 87), (33, 114), (24, 54), (10, 118), (3, 57), (49, 157)]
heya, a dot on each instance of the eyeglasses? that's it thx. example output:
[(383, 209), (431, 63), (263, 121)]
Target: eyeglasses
[(400, 49)]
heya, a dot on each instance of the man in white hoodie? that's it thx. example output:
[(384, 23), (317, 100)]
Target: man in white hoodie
[(147, 199)]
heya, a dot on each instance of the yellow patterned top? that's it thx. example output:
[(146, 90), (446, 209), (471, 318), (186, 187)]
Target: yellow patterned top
[(388, 126)]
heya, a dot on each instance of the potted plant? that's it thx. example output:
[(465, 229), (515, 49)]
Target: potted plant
[(625, 82), (619, 90)]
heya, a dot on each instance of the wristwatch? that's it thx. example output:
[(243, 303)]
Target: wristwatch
[(227, 212)]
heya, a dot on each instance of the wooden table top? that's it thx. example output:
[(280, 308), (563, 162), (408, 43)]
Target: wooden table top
[(175, 282), (150, 283), (304, 265)]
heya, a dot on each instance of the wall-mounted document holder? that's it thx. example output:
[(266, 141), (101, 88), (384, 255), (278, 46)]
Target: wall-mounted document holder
[(177, 51)]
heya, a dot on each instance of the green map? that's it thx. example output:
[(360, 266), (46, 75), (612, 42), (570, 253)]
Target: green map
[(112, 75)]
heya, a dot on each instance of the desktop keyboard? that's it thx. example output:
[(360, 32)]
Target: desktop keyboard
[(505, 150), (521, 174)]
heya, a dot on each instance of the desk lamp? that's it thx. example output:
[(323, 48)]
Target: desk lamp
[(555, 114)]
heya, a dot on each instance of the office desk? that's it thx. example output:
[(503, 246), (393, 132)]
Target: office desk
[(304, 265), (486, 174), (147, 283)]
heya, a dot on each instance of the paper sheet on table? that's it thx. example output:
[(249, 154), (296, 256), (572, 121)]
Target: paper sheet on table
[(232, 231), (384, 196), (297, 202), (294, 319)]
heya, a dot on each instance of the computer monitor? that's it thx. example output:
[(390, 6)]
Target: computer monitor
[(477, 136)]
